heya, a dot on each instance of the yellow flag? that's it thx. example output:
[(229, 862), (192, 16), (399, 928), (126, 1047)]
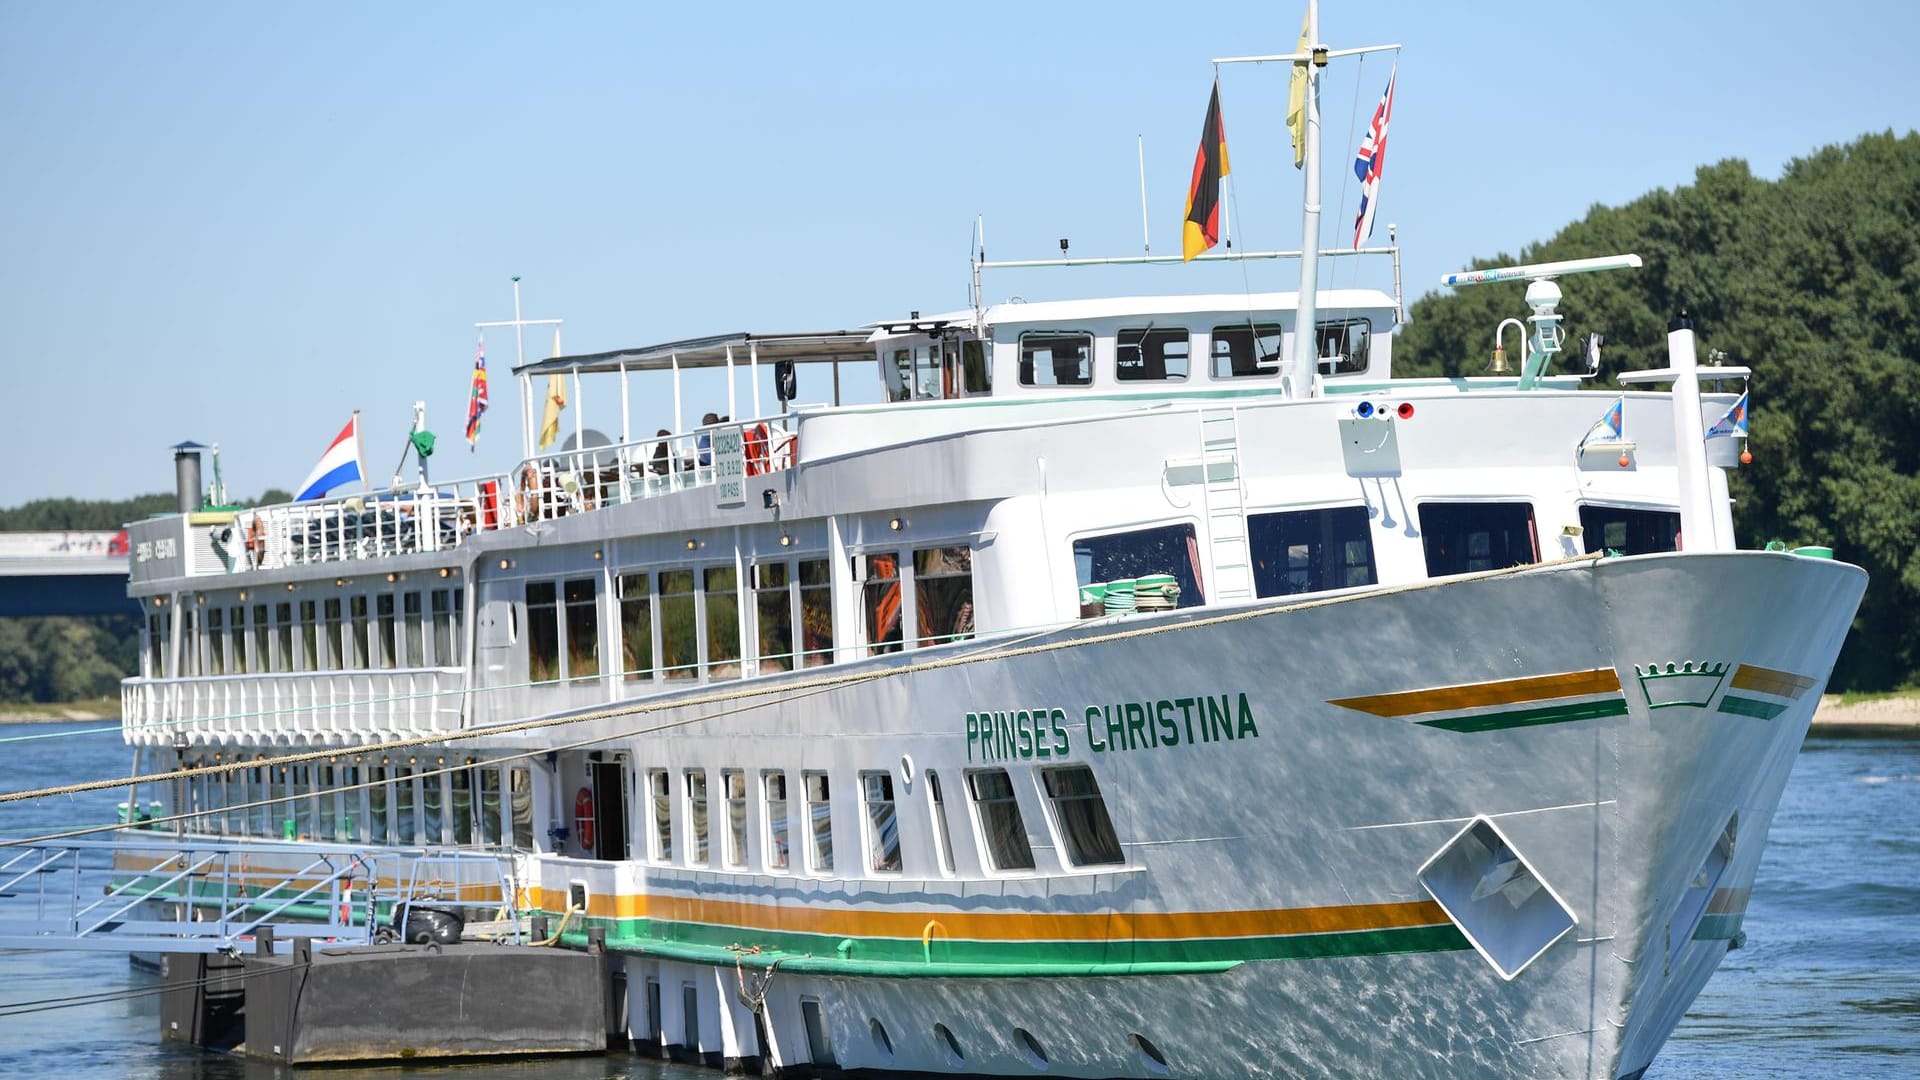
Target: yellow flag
[(1297, 101), (556, 400)]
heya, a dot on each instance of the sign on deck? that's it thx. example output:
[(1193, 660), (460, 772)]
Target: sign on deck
[(729, 468)]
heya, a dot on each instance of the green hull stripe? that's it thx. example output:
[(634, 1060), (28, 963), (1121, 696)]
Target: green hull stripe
[(949, 958), (1552, 714), (1760, 710)]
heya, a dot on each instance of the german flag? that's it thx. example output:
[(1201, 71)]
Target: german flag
[(1202, 229)]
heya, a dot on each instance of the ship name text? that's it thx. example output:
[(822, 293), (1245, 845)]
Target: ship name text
[(1047, 732)]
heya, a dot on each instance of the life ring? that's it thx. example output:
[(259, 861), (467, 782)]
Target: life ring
[(256, 542), (527, 497), (755, 439), (583, 818)]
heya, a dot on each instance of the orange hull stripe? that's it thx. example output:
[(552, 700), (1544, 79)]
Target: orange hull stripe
[(1481, 695), (1768, 681), (980, 926)]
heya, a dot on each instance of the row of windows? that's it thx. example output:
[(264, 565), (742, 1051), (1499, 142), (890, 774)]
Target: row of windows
[(1306, 551), (481, 804), (386, 630), (1078, 813), (1164, 354), (938, 369)]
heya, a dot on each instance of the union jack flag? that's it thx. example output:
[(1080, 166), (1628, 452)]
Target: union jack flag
[(1371, 161), (477, 397)]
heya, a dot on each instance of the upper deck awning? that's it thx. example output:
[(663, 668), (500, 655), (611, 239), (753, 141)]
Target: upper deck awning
[(707, 352)]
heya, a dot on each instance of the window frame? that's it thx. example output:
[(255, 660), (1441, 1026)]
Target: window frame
[(1029, 372), (1255, 330), (878, 798), (1146, 334), (1067, 838), (1259, 520), (985, 829), (1460, 504)]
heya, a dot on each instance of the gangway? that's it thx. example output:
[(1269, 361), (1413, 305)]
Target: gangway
[(182, 895)]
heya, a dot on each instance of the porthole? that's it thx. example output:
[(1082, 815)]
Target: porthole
[(1150, 1055), (1036, 1054), (955, 1058), (882, 1042)]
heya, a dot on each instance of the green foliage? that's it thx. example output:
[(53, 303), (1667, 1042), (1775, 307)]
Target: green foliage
[(1814, 282), (63, 515)]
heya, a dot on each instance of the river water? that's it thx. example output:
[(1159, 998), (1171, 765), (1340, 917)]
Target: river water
[(1827, 985)]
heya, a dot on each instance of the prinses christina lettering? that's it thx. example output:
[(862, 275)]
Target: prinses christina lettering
[(1009, 734)]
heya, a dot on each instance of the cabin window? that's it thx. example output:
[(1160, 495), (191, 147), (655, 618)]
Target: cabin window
[(357, 636), (543, 631), (1085, 829), (662, 815), (697, 816), (883, 823), (1343, 345), (816, 611), (819, 822), (216, 642), (679, 637), (779, 846), (583, 628), (1128, 556), (459, 653), (330, 620), (262, 639), (926, 371), (433, 826), (1005, 834), (491, 822), (156, 647), (383, 615), (416, 635), (773, 610), (735, 783), (943, 840), (881, 601), (943, 594), (1246, 349), (189, 644), (283, 637), (636, 628), (1150, 355), (1629, 532), (1462, 538), (309, 637), (403, 804), (1305, 551), (237, 640), (1052, 359), (899, 376), (976, 374), (723, 623), (460, 803), (520, 802), (443, 654)]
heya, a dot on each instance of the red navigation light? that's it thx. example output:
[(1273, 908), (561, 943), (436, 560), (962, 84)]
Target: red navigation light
[(1406, 410)]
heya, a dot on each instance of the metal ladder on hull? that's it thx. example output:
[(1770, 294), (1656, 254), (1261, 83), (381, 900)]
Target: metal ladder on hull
[(1224, 497)]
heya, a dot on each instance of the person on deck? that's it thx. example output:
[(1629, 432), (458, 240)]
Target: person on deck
[(660, 464), (703, 444)]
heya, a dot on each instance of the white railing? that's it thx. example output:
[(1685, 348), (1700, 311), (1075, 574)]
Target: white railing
[(440, 516), (332, 708)]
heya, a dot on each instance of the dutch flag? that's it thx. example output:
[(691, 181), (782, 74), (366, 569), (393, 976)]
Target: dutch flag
[(339, 465)]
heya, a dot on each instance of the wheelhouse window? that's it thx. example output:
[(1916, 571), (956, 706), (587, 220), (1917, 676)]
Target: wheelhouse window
[(1305, 551), (723, 623), (1150, 355), (976, 374), (883, 823), (697, 816), (1343, 345), (1128, 556), (819, 822), (1085, 828), (1629, 532), (662, 814), (1003, 831), (543, 631), (816, 611), (943, 594), (583, 628), (1056, 359), (1462, 538), (1242, 350), (679, 636), (636, 628), (779, 844), (880, 600), (773, 616)]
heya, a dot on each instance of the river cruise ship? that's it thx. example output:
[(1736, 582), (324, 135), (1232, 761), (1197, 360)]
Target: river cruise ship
[(1148, 685)]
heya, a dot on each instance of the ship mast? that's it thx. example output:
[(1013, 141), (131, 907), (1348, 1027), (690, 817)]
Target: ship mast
[(1301, 369)]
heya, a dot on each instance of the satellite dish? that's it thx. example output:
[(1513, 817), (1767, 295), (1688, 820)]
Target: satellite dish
[(589, 439)]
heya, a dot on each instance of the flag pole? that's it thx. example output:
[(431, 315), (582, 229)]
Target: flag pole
[(1146, 240), (1300, 375)]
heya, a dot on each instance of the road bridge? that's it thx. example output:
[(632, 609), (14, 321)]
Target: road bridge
[(64, 573)]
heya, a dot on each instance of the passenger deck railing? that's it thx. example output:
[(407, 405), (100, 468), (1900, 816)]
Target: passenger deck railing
[(441, 515), (176, 894), (321, 707)]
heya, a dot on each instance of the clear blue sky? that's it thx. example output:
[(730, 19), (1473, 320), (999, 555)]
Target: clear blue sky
[(238, 223)]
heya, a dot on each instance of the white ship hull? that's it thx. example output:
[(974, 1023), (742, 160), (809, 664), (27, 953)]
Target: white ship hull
[(1269, 917)]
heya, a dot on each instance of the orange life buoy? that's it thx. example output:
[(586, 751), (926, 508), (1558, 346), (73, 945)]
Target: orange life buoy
[(527, 500), (256, 543), (583, 817), (756, 448)]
